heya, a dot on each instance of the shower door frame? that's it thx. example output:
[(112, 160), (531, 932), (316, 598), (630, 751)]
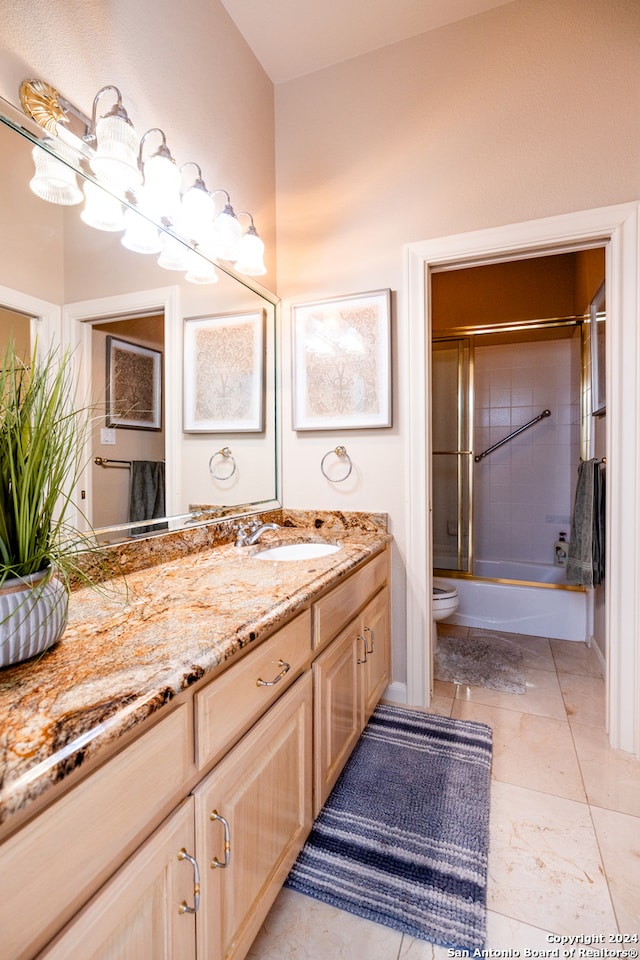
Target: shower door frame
[(617, 228), (464, 432), (466, 428)]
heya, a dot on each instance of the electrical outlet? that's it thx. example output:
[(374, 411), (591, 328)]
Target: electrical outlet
[(108, 436)]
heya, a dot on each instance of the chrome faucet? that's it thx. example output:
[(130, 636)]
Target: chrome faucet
[(246, 538)]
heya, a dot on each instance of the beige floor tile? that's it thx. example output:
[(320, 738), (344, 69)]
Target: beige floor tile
[(584, 699), (504, 933), (611, 777), (413, 949), (536, 653), (442, 706), (443, 688), (300, 928), (619, 838), (571, 657), (529, 751), (544, 863), (542, 698)]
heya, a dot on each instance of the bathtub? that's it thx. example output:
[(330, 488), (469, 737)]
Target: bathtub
[(536, 605)]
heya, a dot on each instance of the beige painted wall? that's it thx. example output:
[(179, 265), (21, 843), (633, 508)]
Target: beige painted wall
[(184, 68), (526, 111)]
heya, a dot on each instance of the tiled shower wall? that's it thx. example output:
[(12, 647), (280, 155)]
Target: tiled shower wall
[(524, 491)]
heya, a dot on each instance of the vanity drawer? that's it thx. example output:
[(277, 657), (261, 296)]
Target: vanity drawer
[(59, 859), (231, 703), (332, 612)]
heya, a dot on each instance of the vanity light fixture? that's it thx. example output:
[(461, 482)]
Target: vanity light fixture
[(251, 251), (174, 254), (195, 216), (117, 146), (53, 180), (160, 193), (225, 237), (101, 210), (200, 269), (115, 155), (140, 235)]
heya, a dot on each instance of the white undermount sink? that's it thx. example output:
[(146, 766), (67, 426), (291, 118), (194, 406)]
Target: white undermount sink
[(297, 551)]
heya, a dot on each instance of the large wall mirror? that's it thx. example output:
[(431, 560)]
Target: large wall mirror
[(127, 320)]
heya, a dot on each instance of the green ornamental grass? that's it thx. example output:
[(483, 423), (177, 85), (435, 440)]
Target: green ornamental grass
[(41, 440)]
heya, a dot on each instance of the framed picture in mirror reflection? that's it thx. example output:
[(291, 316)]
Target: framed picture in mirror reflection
[(224, 373), (134, 385)]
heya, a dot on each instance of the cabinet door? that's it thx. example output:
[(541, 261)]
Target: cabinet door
[(375, 672), (253, 814), (137, 915), (336, 709)]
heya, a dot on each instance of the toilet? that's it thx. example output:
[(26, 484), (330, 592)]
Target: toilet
[(445, 602)]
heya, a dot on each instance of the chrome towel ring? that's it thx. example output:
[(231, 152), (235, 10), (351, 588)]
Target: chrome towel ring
[(341, 453), (228, 459)]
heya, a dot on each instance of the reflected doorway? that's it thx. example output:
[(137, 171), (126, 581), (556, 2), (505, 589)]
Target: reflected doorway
[(117, 449), (16, 327)]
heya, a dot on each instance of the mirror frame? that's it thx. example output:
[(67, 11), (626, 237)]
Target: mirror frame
[(60, 324)]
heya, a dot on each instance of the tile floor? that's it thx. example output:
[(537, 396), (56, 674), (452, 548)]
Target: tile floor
[(565, 826)]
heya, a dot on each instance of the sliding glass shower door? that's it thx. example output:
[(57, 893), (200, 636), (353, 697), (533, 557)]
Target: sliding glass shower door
[(452, 462)]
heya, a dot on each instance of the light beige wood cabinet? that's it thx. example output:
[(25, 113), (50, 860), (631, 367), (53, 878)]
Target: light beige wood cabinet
[(253, 813), (207, 808), (350, 676), (144, 911), (336, 710), (375, 672), (50, 867)]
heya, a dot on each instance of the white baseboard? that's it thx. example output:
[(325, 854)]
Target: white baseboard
[(396, 692), (600, 656)]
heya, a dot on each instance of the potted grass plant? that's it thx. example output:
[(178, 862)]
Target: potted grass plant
[(41, 435)]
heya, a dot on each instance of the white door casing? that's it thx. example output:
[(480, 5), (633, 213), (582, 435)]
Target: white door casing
[(617, 228)]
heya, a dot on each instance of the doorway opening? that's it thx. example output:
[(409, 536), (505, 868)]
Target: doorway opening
[(511, 420), (128, 435), (616, 229)]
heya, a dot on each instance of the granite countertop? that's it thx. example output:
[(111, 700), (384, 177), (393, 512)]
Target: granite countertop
[(127, 652)]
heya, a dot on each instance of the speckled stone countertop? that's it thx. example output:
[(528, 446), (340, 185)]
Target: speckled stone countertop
[(126, 653)]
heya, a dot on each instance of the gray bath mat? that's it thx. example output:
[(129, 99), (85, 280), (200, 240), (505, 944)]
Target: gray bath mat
[(480, 661)]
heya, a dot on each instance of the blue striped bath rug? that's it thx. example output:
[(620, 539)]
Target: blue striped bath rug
[(403, 839)]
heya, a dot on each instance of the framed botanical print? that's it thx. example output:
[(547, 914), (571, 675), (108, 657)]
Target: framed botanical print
[(134, 385), (224, 373), (342, 363)]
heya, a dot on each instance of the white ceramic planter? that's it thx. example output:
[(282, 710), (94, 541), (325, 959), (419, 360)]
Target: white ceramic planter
[(33, 616)]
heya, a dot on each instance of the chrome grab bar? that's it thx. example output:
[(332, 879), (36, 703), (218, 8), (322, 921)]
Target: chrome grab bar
[(500, 443)]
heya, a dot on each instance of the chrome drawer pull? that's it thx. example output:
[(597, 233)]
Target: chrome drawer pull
[(184, 908), (373, 637), (214, 815), (366, 651), (270, 683)]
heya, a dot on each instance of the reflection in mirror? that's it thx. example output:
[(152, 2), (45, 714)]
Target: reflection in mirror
[(100, 289), (16, 328), (117, 494)]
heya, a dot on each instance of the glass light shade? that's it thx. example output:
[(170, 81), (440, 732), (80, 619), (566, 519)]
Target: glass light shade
[(174, 255), (140, 234), (53, 180), (225, 237), (250, 255), (116, 157), (200, 269), (101, 210), (161, 187), (196, 212)]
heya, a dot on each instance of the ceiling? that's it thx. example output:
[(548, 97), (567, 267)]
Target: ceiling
[(294, 37)]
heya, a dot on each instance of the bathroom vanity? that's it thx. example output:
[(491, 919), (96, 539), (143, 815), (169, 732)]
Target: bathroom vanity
[(163, 764)]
